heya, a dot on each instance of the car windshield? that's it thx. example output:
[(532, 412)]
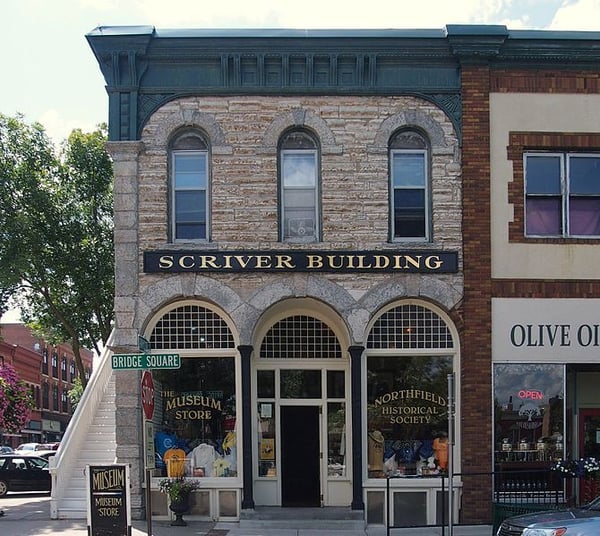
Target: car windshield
[(38, 463), (594, 505)]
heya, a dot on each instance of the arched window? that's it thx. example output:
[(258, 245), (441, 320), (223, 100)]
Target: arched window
[(189, 191), (196, 404), (299, 187), (410, 352), (410, 212)]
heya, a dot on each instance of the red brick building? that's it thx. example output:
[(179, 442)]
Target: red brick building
[(50, 372)]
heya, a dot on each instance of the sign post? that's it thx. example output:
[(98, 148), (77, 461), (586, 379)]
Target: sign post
[(147, 389)]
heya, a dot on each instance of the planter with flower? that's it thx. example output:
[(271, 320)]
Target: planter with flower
[(178, 490), (587, 471)]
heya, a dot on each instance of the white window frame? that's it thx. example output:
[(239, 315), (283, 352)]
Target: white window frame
[(426, 237), (285, 234), (206, 189)]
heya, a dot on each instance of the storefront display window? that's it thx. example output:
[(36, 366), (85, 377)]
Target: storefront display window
[(197, 414), (529, 412), (407, 415)]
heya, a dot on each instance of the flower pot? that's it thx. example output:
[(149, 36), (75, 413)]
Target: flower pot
[(179, 508)]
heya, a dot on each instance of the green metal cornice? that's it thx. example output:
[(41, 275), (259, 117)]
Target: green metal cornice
[(145, 67)]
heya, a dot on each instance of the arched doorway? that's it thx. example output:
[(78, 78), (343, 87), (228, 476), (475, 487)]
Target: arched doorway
[(301, 374)]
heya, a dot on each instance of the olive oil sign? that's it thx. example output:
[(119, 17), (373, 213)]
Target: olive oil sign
[(108, 500)]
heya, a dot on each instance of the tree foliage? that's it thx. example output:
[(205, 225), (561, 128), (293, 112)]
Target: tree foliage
[(16, 401), (56, 241), (75, 393)]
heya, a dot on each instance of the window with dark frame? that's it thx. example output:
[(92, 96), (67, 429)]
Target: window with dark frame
[(562, 194)]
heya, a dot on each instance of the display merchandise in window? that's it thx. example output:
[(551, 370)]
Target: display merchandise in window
[(197, 434), (529, 412), (407, 415)]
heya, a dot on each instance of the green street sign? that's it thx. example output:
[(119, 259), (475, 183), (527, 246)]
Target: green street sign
[(145, 361)]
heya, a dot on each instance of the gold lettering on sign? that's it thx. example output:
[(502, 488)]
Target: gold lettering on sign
[(109, 479), (311, 261)]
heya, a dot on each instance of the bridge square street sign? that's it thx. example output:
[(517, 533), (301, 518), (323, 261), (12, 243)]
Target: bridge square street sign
[(145, 361)]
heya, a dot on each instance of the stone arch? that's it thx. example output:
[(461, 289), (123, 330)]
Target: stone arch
[(407, 119), (299, 117), (173, 116), (308, 306), (173, 289)]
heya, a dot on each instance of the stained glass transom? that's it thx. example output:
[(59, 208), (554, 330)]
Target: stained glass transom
[(409, 326), (300, 337), (191, 327)]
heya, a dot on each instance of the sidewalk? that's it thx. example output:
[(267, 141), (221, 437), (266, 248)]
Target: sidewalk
[(51, 527), (33, 519)]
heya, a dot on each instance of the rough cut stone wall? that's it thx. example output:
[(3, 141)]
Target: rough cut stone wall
[(353, 133), (243, 131)]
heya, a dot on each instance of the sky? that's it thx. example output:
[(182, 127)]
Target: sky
[(50, 75)]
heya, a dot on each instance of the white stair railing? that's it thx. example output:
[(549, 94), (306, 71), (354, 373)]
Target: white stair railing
[(72, 442)]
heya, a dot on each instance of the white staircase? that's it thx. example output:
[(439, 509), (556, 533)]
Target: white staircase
[(90, 439)]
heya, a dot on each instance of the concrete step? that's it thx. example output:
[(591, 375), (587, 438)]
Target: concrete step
[(327, 518)]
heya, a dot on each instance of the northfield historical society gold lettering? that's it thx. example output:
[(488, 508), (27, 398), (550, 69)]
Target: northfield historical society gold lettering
[(410, 413), (312, 262)]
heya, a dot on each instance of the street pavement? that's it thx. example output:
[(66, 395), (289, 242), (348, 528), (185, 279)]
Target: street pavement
[(29, 515)]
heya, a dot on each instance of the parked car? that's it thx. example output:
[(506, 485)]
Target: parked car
[(40, 453), (5, 449), (23, 473), (27, 446), (583, 521)]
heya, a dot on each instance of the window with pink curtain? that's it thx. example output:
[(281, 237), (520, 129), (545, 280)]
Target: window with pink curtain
[(562, 194)]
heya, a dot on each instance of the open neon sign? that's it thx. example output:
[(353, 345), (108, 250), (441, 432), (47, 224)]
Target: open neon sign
[(530, 394)]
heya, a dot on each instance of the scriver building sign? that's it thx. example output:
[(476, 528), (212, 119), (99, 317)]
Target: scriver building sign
[(301, 261)]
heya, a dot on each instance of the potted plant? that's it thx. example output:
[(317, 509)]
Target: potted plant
[(178, 489)]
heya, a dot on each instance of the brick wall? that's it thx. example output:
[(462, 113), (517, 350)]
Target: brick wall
[(476, 343)]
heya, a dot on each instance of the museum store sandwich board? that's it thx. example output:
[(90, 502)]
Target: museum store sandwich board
[(109, 511)]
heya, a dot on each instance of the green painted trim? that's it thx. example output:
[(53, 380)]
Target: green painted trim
[(145, 67)]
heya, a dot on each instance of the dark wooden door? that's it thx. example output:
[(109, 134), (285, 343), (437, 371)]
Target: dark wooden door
[(300, 456)]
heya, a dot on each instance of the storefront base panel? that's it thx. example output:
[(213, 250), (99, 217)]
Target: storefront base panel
[(205, 505), (418, 503)]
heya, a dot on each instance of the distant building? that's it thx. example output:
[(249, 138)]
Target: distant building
[(50, 372)]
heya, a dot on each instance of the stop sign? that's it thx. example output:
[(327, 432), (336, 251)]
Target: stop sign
[(148, 394)]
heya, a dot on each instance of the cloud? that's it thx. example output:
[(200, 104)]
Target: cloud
[(577, 15), (317, 13), (58, 127)]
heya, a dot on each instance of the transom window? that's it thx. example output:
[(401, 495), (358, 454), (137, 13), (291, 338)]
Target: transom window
[(299, 188), (300, 337), (189, 187), (409, 175), (562, 194), (409, 326), (191, 327)]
